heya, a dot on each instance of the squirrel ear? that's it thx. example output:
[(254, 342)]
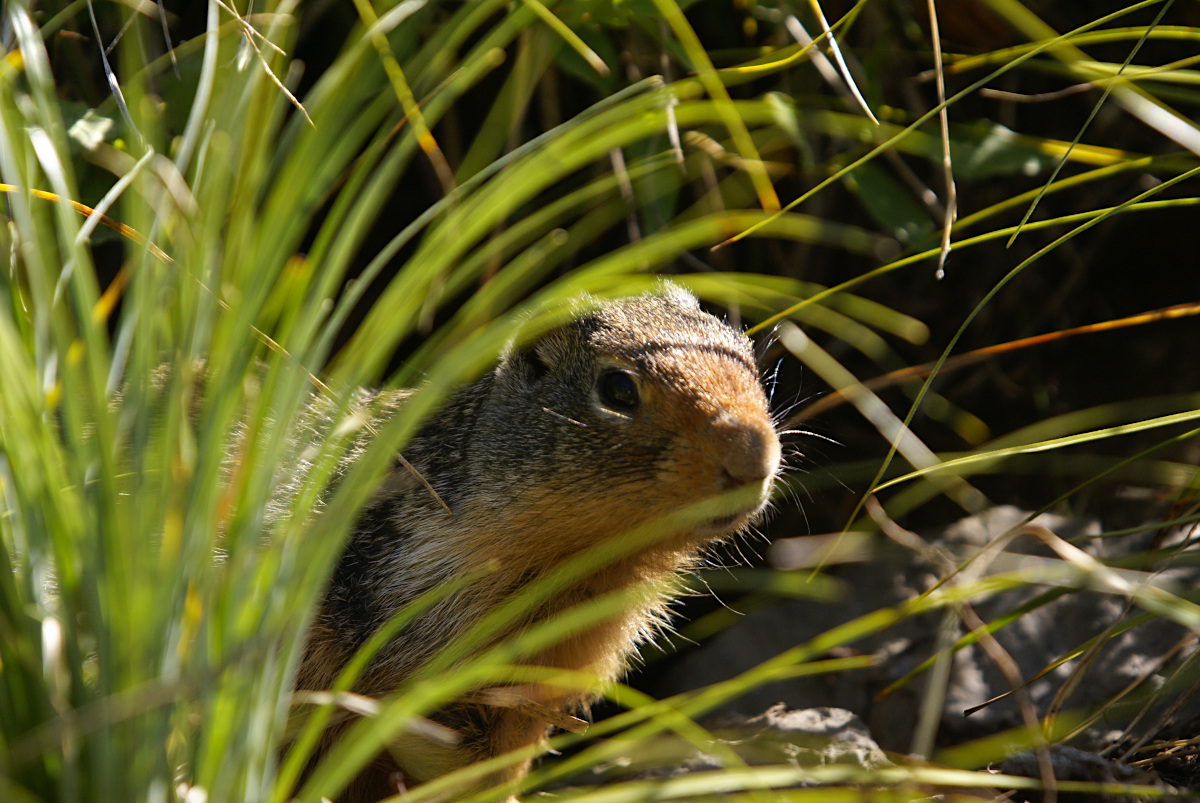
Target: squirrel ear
[(530, 362), (534, 360), (550, 352)]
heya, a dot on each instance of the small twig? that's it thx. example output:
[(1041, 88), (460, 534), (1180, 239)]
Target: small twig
[(1012, 675), (929, 553), (364, 706), (112, 76), (847, 78), (703, 142), (947, 166), (108, 49), (1000, 657), (502, 697), (1042, 97), (1177, 700), (673, 129), (925, 195), (248, 32), (162, 17), (664, 67), (570, 37), (840, 78), (626, 188), (715, 88), (844, 85), (1084, 662)]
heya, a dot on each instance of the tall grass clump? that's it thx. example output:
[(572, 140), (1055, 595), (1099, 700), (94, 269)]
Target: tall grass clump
[(158, 598), (193, 259)]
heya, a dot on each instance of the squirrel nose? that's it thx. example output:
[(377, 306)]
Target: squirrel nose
[(749, 450)]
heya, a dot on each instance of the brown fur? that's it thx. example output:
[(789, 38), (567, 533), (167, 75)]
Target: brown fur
[(536, 469)]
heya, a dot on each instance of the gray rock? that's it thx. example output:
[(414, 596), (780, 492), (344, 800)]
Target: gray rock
[(806, 739), (1070, 764)]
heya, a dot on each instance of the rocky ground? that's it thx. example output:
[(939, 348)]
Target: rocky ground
[(1144, 661)]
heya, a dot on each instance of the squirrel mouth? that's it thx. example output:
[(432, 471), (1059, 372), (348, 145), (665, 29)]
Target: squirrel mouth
[(720, 525), (740, 512), (730, 512)]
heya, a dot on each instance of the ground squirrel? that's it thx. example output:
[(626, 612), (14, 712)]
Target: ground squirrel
[(632, 411)]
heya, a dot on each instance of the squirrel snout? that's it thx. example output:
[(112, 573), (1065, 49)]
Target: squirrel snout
[(749, 450)]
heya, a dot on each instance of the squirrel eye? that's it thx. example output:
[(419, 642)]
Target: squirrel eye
[(618, 391)]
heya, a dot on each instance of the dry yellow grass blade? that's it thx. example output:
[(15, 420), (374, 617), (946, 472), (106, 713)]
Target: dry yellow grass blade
[(836, 398)]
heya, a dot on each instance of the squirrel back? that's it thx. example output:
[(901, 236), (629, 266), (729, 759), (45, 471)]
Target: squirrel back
[(620, 419)]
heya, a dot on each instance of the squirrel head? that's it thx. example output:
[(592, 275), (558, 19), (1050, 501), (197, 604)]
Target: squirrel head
[(635, 410)]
